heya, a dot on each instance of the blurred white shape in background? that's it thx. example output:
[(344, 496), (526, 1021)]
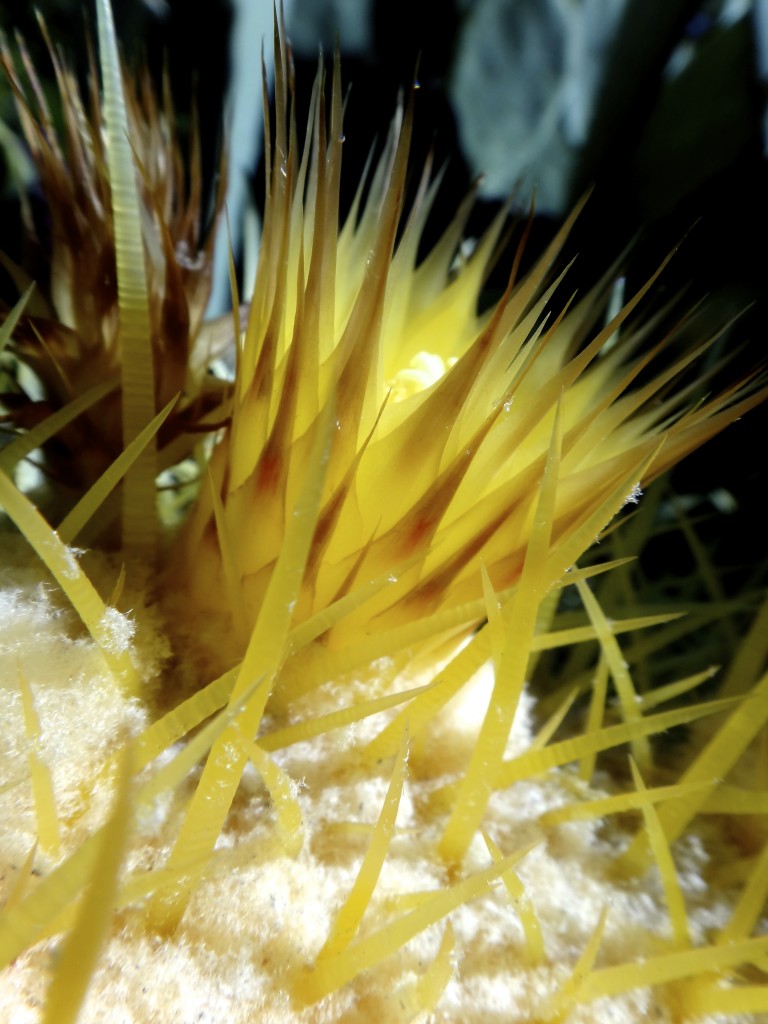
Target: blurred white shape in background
[(311, 26), (530, 71), (251, 35)]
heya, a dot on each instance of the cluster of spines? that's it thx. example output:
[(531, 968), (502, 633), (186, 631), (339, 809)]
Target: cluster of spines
[(312, 443)]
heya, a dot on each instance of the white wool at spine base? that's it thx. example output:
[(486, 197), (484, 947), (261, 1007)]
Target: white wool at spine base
[(261, 916)]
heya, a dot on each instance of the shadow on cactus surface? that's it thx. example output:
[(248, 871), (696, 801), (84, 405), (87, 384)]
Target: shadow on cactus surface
[(350, 734)]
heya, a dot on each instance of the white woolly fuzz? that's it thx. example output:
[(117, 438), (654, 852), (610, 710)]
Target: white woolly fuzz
[(260, 917)]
